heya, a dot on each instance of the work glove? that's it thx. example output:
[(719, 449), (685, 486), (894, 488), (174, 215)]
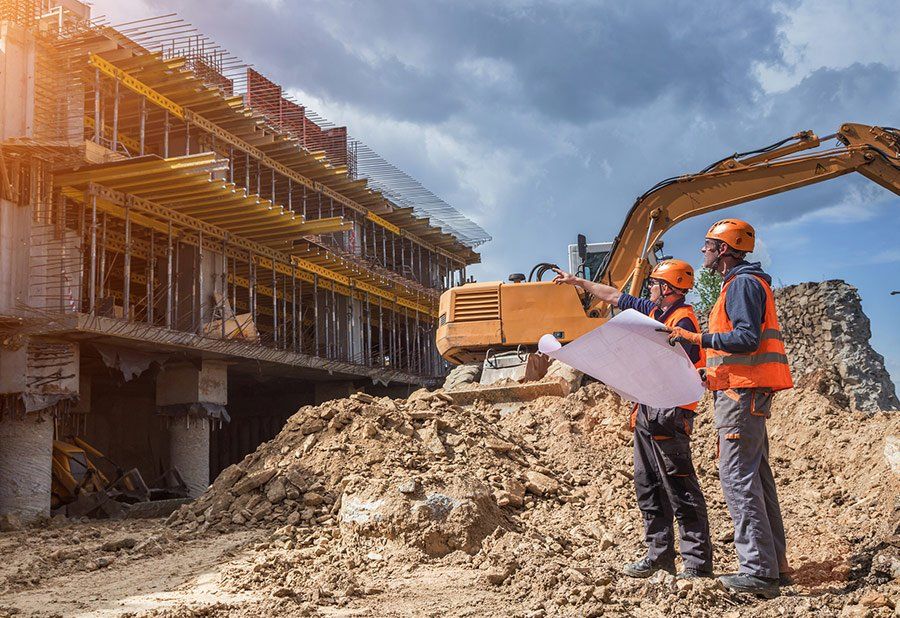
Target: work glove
[(680, 335)]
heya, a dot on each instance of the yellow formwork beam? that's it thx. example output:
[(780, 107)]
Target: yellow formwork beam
[(135, 85), (187, 115)]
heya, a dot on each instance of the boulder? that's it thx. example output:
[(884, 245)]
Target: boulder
[(252, 481), (540, 484)]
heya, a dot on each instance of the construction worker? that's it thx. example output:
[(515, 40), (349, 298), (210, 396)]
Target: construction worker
[(664, 477), (746, 364)]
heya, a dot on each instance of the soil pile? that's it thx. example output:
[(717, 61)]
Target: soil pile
[(536, 503), (423, 471)]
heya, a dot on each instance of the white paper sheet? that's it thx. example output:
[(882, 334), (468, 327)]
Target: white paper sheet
[(631, 357)]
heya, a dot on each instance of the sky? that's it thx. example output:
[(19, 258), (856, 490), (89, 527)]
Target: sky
[(541, 120)]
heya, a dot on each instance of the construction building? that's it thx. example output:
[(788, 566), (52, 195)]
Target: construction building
[(187, 255)]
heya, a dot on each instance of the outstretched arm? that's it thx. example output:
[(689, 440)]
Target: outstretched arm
[(606, 293)]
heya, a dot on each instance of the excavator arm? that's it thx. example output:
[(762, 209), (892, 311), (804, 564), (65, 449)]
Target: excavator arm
[(874, 152)]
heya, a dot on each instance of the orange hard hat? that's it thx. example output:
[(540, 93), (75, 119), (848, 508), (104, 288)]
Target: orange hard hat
[(737, 234), (677, 273)]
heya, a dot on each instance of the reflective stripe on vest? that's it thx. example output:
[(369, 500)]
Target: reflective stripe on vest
[(747, 359), (767, 367), (672, 320)]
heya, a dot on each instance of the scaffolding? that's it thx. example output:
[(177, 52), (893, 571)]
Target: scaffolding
[(175, 38)]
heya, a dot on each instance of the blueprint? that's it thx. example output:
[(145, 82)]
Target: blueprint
[(632, 358)]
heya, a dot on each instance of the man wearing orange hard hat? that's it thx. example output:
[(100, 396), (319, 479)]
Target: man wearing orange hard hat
[(746, 365), (664, 477)]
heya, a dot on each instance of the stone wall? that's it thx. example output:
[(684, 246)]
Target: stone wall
[(826, 335)]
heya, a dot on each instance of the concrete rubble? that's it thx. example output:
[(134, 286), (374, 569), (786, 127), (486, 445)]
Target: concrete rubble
[(536, 504)]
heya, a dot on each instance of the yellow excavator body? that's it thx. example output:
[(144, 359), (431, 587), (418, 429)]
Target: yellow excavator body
[(477, 316)]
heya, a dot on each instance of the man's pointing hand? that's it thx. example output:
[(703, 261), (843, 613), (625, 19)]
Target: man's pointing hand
[(563, 277)]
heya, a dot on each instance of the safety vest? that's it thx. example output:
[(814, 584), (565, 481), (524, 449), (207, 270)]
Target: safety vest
[(766, 367), (672, 320)]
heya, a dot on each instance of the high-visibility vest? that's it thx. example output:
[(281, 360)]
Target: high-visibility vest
[(671, 321), (765, 367)]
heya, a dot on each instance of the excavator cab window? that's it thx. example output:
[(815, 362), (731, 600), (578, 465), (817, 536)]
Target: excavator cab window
[(595, 256)]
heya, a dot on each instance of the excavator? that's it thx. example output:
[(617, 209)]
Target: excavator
[(490, 329)]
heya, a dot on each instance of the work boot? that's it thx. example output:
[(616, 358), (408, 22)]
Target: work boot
[(690, 573), (785, 579), (766, 587), (645, 568)]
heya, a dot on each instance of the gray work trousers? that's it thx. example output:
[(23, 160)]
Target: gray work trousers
[(667, 487), (747, 481)]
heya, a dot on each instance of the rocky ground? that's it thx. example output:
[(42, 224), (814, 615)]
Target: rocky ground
[(381, 507)]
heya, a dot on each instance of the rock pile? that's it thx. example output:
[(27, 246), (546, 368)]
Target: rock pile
[(827, 335), (421, 470)]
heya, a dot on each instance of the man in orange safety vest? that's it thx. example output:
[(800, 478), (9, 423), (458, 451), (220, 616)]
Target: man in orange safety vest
[(665, 481), (746, 365)]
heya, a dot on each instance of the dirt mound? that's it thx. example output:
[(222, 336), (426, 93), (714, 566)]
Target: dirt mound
[(422, 471), (536, 500)]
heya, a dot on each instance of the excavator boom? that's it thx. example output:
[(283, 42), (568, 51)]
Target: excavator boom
[(478, 317), (874, 152)]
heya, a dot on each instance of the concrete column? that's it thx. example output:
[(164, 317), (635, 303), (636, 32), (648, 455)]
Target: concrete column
[(26, 451), (17, 60), (189, 452), (36, 376), (211, 284), (188, 394), (15, 230)]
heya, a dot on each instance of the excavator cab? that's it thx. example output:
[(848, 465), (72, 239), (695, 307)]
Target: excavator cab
[(587, 259)]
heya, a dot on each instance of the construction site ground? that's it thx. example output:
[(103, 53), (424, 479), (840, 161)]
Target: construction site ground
[(385, 507)]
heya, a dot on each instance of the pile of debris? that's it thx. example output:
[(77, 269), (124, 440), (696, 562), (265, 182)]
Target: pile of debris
[(421, 470), (538, 500)]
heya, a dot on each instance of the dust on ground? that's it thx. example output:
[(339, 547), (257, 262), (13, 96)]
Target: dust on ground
[(382, 507)]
